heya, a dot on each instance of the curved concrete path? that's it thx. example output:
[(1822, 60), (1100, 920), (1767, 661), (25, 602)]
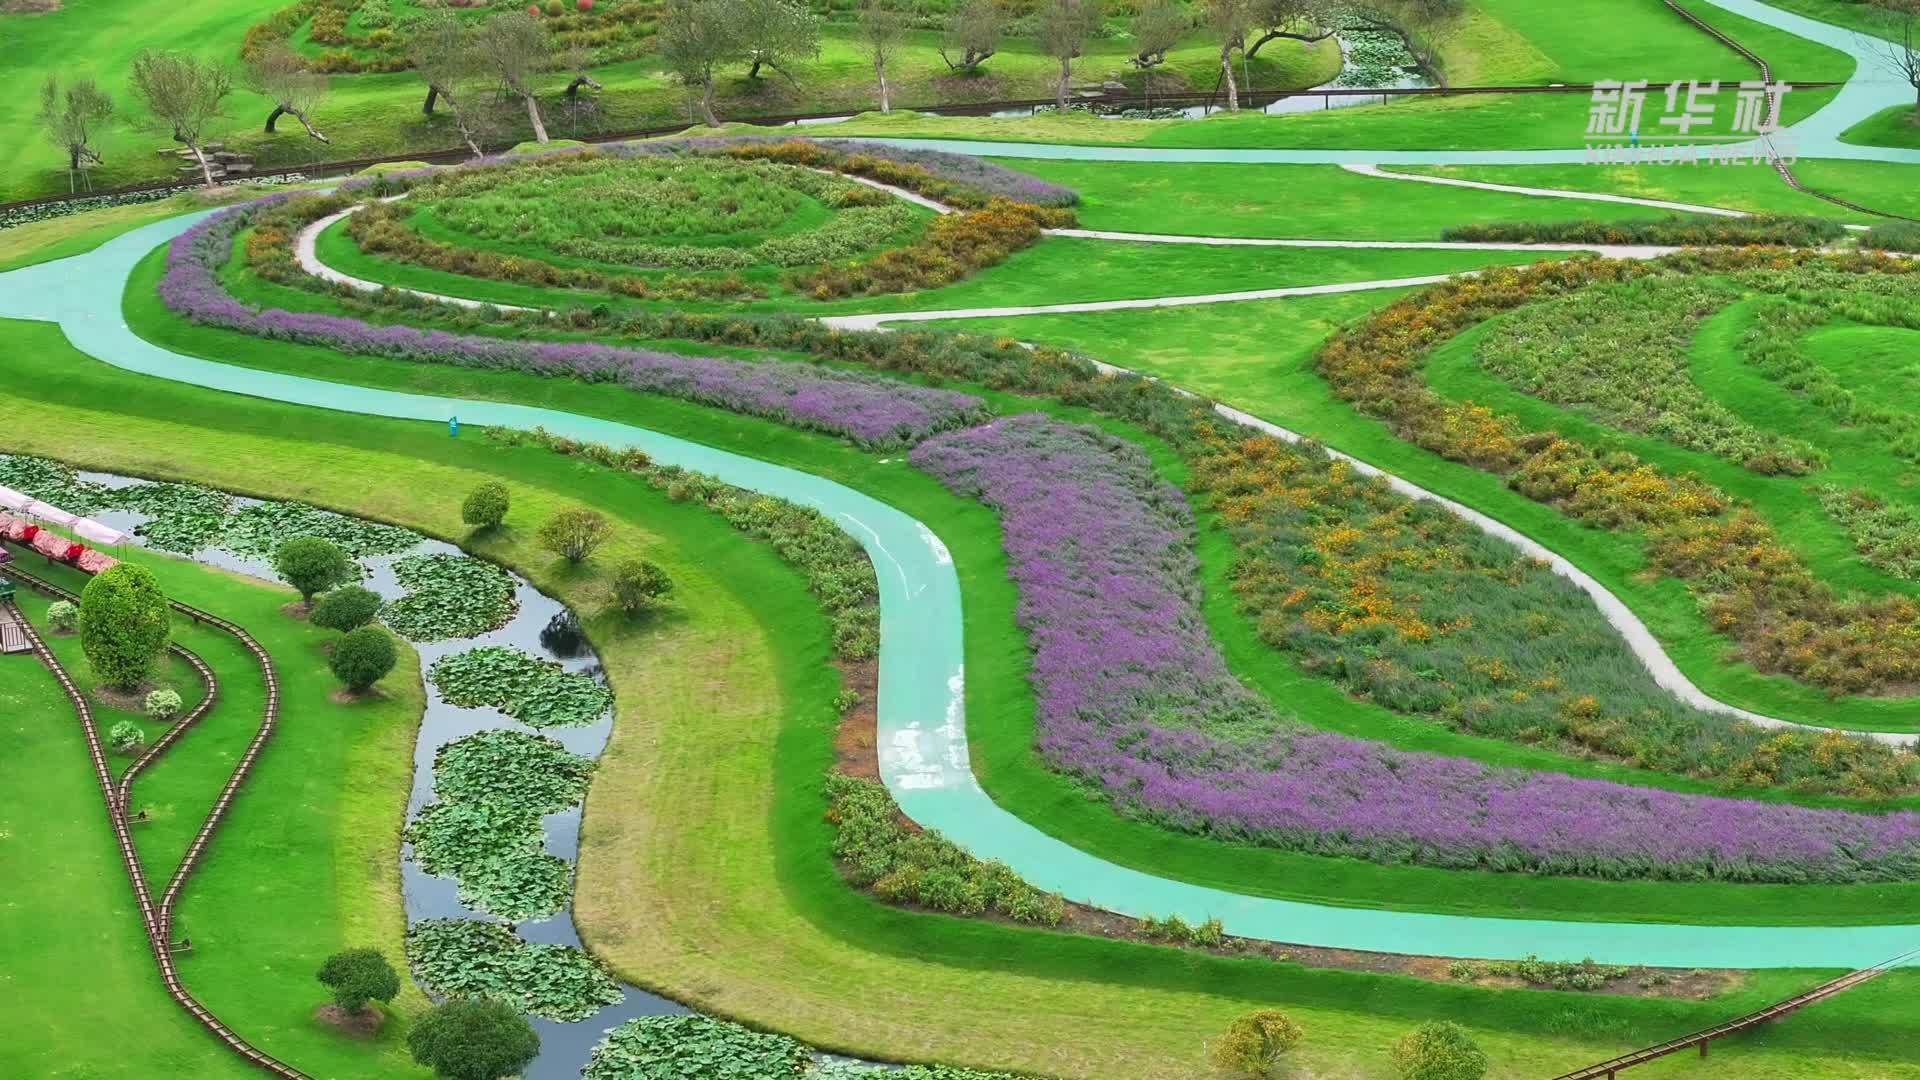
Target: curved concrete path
[(921, 707)]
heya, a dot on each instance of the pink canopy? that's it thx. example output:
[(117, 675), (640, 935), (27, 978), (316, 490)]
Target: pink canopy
[(48, 512)]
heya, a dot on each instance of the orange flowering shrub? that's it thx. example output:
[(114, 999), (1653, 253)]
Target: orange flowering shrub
[(1749, 585), (953, 246)]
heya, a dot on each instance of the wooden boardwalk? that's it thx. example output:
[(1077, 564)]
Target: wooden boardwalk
[(158, 917), (1606, 1070)]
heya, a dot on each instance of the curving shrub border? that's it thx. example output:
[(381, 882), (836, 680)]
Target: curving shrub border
[(1134, 697), (1746, 581), (1697, 230), (872, 411)]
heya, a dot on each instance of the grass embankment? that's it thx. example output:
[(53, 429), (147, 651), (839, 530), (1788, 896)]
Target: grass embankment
[(1896, 125), (307, 862), (704, 869), (1000, 706)]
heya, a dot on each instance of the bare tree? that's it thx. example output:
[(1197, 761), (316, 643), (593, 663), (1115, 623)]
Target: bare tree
[(696, 37), (1230, 21), (280, 75), (973, 31), (1896, 41), (774, 33), (1305, 21), (1063, 27), (185, 94), (1157, 27), (577, 56), (514, 47), (443, 56), (881, 30), (71, 118)]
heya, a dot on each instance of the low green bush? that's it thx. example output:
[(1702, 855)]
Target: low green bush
[(125, 737), (313, 565), (348, 607), (486, 506), (357, 977), (63, 617), (1438, 1051), (1893, 236), (363, 657), (477, 1039), (904, 866), (162, 704), (639, 585), (1254, 1044), (575, 533)]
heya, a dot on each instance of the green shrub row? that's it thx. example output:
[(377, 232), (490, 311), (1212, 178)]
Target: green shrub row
[(1696, 230)]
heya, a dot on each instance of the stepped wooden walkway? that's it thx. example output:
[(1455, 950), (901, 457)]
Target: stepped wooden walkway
[(1607, 1070), (158, 917)]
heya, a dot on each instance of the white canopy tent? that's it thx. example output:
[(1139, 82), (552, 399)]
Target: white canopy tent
[(14, 500), (93, 532)]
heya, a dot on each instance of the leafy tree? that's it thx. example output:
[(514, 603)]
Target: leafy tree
[(348, 607), (72, 118), (696, 37), (1230, 21), (486, 506), (1063, 27), (774, 33), (514, 47), (312, 565), (637, 584), (1254, 1043), (363, 657), (573, 534), (973, 30), (881, 29), (1305, 21), (280, 75), (1157, 27), (443, 56), (473, 1039), (123, 624), (183, 93), (1438, 1051), (359, 976)]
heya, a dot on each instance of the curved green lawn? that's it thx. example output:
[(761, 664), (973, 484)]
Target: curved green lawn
[(1895, 125), (1056, 270), (1000, 704), (685, 887), (307, 862)]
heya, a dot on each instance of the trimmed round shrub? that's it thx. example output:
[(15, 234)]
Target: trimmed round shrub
[(358, 976), (1438, 1051), (486, 505), (348, 607), (638, 584), (573, 534), (1254, 1043), (363, 657), (163, 704), (473, 1039), (125, 737), (533, 9), (313, 565), (555, 8), (123, 625), (584, 5), (63, 617)]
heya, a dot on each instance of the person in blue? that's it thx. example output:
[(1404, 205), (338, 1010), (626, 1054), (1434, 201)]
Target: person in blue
[(453, 427)]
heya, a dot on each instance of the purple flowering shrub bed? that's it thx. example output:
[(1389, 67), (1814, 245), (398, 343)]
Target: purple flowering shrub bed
[(870, 409), (1134, 698)]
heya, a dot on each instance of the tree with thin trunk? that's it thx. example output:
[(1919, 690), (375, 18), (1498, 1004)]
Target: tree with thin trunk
[(1421, 25), (696, 37), (577, 56), (774, 33), (1896, 42), (973, 31), (1157, 27), (280, 75), (881, 30), (72, 118), (184, 94), (443, 56), (1063, 27), (514, 47), (1230, 21), (1306, 21)]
